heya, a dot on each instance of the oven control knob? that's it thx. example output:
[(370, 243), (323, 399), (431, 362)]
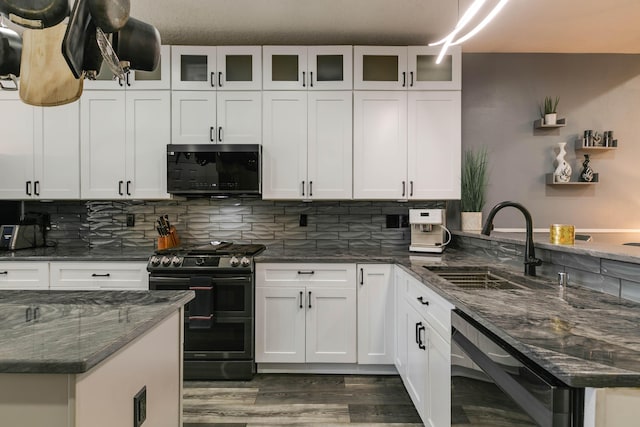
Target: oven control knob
[(176, 261), (155, 261), (245, 262), (166, 261), (234, 261), (200, 261)]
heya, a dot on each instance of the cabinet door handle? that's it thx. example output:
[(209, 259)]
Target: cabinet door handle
[(417, 332), (310, 78), (304, 80), (301, 299), (309, 299), (404, 188), (422, 301), (303, 188), (36, 188), (421, 344), (101, 275), (120, 188), (212, 79), (411, 79), (4, 272), (411, 188), (220, 79), (310, 188), (220, 134), (120, 82), (28, 189), (212, 136), (128, 189), (126, 79), (306, 272), (404, 79), (361, 276)]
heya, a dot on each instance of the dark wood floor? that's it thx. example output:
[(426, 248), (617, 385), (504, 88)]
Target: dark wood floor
[(299, 400)]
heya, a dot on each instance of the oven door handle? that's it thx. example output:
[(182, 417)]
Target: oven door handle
[(200, 288), (531, 405), (209, 317)]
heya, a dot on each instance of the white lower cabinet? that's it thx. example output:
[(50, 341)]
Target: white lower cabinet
[(24, 275), (111, 275), (375, 314), (423, 358), (305, 313)]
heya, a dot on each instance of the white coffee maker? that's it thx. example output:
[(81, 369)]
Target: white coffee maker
[(428, 230)]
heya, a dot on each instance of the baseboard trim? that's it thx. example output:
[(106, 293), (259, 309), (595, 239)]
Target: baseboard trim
[(326, 368)]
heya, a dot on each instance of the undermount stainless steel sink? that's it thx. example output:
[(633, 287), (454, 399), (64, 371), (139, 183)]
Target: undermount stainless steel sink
[(472, 278)]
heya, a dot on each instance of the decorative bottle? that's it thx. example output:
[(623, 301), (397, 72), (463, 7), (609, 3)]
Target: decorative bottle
[(587, 173), (563, 169)]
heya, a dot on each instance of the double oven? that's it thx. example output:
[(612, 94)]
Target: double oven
[(219, 322)]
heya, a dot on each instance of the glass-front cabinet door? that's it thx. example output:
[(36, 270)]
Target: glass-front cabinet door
[(193, 68), (380, 67), (160, 78), (239, 68), (425, 74), (410, 68), (307, 67), (330, 67)]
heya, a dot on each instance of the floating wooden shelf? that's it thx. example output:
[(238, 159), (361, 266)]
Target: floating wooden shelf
[(580, 146), (549, 180), (539, 124)]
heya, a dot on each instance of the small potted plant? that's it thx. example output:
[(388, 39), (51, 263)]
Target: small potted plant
[(549, 110), (473, 188)]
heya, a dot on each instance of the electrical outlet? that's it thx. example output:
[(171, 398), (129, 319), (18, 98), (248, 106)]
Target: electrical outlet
[(303, 220), (393, 221), (131, 220), (140, 407)]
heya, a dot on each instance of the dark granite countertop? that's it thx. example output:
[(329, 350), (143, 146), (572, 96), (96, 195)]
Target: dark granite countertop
[(75, 330), (77, 253), (583, 337)]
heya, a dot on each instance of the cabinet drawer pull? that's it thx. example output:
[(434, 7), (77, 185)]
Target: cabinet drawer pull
[(309, 299), (422, 301), (4, 272), (306, 272), (301, 299), (101, 275)]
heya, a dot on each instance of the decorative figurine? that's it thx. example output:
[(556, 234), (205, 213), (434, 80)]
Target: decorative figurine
[(563, 170), (587, 173)]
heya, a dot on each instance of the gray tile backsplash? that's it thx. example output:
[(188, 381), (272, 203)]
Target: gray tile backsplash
[(339, 225)]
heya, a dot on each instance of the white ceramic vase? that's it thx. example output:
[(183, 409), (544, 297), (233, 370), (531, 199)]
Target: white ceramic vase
[(562, 172), (550, 119), (471, 221)]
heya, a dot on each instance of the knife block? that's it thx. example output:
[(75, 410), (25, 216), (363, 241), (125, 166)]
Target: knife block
[(169, 241)]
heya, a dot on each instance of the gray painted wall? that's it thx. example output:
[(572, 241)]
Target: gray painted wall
[(500, 98)]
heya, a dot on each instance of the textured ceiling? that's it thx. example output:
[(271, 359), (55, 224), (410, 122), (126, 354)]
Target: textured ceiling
[(523, 25)]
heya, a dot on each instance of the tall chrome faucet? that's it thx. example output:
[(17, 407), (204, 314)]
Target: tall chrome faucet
[(530, 260)]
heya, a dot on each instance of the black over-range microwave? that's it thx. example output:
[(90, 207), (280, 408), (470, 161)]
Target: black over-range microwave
[(214, 169)]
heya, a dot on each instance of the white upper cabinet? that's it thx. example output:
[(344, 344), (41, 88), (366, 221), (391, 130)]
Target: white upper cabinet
[(402, 68), (307, 68), (124, 139), (39, 150), (160, 78), (216, 68), (307, 145)]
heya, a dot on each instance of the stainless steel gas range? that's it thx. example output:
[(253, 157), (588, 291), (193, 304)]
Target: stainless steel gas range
[(219, 322)]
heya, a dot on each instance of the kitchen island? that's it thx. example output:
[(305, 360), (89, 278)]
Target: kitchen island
[(78, 358)]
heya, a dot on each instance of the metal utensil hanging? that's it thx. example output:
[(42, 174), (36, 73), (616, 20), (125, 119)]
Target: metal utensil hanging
[(109, 55)]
